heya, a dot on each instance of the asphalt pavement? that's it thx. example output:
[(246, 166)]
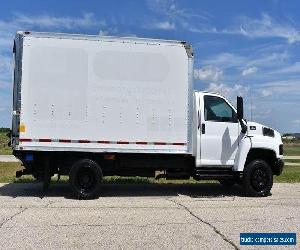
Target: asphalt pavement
[(144, 216)]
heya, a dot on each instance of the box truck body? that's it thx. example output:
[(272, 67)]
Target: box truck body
[(91, 106), (89, 93)]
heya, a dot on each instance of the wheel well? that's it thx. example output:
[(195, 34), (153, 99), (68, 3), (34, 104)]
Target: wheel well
[(264, 154)]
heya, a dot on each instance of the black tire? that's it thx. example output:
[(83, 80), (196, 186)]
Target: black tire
[(257, 178), (227, 183), (85, 179)]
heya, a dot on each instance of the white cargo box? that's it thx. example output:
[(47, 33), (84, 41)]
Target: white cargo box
[(102, 94)]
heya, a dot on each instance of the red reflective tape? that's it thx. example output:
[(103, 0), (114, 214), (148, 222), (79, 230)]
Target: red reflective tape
[(84, 141), (64, 140), (141, 143), (44, 140), (122, 142), (103, 142), (24, 139), (160, 143)]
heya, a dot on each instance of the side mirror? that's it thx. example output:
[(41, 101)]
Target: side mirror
[(240, 108), (240, 113)]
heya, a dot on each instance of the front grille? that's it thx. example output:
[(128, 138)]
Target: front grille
[(268, 132), (281, 149)]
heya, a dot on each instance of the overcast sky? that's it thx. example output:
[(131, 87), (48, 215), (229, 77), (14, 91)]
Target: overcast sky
[(249, 48)]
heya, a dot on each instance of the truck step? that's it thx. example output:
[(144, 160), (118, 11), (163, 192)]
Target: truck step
[(213, 170), (213, 173), (212, 177)]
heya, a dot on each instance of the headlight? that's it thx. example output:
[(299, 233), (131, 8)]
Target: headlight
[(268, 132)]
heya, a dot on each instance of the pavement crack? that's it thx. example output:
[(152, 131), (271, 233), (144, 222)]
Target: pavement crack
[(215, 229), (12, 217), (49, 204)]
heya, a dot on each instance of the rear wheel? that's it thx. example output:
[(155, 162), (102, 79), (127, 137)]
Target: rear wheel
[(85, 179), (258, 178)]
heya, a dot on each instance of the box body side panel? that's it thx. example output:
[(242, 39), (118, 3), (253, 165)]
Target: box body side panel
[(101, 95)]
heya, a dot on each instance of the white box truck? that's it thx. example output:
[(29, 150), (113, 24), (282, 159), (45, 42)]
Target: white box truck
[(91, 106)]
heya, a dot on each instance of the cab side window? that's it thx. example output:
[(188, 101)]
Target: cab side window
[(218, 110)]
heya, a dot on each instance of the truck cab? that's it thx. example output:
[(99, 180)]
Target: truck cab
[(224, 142)]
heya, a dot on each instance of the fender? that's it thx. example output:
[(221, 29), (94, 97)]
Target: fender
[(256, 142), (264, 142)]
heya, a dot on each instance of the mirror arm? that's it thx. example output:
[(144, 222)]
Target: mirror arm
[(243, 126)]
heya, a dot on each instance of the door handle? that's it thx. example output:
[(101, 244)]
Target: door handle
[(198, 120), (203, 128)]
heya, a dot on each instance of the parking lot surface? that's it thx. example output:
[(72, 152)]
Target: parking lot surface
[(142, 216)]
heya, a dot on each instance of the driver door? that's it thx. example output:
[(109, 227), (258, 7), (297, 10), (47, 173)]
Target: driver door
[(219, 135)]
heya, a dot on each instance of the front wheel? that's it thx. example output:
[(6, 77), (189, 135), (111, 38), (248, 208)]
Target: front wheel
[(85, 179), (258, 178)]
